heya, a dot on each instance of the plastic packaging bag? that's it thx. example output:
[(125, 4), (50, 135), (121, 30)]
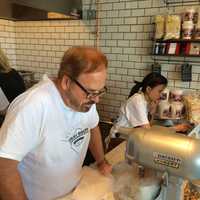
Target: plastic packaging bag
[(192, 102), (172, 27), (159, 26)]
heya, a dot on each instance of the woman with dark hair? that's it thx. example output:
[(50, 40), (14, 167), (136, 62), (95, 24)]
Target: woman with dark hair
[(141, 105)]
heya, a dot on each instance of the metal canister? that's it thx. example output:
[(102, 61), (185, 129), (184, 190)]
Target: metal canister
[(156, 48)]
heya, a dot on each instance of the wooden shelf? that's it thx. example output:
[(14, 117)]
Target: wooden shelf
[(181, 2), (184, 48), (176, 58), (177, 41), (171, 55)]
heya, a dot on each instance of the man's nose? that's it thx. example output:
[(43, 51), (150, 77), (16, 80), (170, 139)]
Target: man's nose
[(96, 99)]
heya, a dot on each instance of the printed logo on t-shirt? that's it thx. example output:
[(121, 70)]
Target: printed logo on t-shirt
[(77, 140)]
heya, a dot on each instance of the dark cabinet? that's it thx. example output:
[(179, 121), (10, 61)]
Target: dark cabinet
[(40, 9)]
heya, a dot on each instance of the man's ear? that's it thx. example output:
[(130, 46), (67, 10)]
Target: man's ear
[(65, 82)]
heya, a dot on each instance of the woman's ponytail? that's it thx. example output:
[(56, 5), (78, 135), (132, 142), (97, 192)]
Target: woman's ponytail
[(135, 88), (151, 80)]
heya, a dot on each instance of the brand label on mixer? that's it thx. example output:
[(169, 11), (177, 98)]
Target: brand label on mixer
[(165, 159)]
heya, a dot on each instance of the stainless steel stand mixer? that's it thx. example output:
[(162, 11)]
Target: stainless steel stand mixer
[(174, 157)]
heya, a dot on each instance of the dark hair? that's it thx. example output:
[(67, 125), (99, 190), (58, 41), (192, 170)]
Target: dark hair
[(151, 80), (77, 60)]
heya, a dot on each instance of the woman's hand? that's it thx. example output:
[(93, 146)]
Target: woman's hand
[(153, 107), (184, 127)]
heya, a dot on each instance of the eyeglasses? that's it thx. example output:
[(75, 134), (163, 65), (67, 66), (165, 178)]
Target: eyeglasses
[(88, 93)]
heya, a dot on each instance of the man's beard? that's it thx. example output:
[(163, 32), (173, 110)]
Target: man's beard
[(86, 106), (80, 106)]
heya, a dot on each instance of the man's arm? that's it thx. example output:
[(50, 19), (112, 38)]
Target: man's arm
[(11, 187), (96, 148)]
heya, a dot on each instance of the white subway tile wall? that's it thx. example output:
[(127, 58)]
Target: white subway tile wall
[(8, 39), (126, 31)]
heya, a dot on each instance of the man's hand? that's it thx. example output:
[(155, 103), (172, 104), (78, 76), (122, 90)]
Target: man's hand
[(97, 151), (104, 167)]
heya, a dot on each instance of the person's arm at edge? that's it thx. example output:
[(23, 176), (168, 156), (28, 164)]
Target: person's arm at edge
[(10, 182), (145, 126), (183, 127), (178, 128), (96, 148)]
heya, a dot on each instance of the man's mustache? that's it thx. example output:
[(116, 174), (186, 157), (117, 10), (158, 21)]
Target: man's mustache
[(90, 103)]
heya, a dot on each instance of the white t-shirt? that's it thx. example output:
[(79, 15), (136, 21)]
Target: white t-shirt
[(48, 138), (134, 112)]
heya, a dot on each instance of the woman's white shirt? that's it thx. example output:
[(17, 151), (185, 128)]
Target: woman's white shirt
[(134, 112)]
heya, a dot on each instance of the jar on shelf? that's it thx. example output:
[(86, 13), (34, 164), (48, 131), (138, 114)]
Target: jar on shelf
[(156, 48), (162, 48), (197, 16), (164, 96), (177, 110), (176, 95), (187, 30), (164, 110), (197, 32), (189, 14)]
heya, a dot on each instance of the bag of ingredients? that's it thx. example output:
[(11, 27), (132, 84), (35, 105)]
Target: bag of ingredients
[(192, 103), (159, 26), (172, 27)]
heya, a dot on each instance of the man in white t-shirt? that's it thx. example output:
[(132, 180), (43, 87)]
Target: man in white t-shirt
[(47, 130)]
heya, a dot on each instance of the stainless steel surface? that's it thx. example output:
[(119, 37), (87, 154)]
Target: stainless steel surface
[(162, 149)]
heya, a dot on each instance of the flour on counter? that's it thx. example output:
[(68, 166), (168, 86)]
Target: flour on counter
[(124, 184), (126, 181), (129, 186), (93, 186)]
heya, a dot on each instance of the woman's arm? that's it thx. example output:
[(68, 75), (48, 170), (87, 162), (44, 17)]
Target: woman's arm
[(144, 126), (153, 107)]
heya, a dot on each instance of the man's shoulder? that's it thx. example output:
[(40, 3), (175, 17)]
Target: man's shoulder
[(44, 88), (38, 94)]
